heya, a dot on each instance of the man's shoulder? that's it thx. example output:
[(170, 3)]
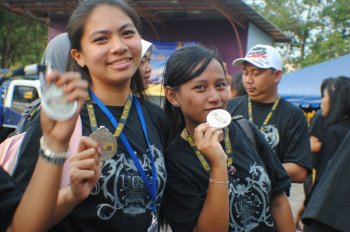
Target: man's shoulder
[(290, 109), (291, 116), (237, 103)]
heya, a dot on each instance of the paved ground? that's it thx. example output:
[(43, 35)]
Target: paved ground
[(296, 199)]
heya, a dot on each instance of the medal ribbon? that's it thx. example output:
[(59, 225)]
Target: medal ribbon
[(122, 120), (268, 117), (228, 149), (152, 188)]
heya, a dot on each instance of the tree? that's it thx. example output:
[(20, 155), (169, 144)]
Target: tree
[(22, 40), (334, 41), (319, 29)]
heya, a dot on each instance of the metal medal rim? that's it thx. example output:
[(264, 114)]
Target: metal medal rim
[(51, 113), (214, 123)]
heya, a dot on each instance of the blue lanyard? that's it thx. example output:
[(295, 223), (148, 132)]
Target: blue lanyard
[(152, 189)]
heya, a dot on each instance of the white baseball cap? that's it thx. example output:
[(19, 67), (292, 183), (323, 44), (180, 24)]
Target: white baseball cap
[(261, 56), (145, 47)]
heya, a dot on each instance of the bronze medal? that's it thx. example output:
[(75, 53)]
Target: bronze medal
[(107, 142)]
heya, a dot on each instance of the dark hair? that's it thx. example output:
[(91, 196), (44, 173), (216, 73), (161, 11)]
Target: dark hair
[(182, 66), (324, 84), (237, 84), (339, 95), (75, 28)]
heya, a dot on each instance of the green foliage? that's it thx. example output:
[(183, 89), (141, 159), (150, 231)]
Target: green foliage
[(324, 49), (22, 40), (320, 29)]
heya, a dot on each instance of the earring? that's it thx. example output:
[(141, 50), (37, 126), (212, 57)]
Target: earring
[(176, 105)]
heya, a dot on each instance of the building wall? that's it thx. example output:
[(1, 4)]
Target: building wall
[(57, 26), (257, 36), (215, 34)]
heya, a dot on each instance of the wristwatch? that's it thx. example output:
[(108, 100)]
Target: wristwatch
[(50, 156)]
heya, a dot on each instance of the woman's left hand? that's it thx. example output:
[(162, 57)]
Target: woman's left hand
[(84, 169)]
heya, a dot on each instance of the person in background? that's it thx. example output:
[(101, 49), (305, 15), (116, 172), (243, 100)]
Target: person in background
[(283, 124), (336, 112), (329, 204), (236, 86), (228, 77), (56, 52), (211, 186), (34, 210), (316, 131), (145, 66), (55, 57), (106, 51)]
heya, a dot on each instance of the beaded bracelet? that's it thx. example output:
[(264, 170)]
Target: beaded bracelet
[(50, 156), (217, 182)]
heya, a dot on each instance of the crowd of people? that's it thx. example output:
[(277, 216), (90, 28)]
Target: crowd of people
[(167, 167)]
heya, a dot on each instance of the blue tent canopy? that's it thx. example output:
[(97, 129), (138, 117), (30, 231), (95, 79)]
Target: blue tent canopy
[(302, 87)]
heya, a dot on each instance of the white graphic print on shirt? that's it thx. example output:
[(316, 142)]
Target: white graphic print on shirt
[(128, 192), (249, 200), (271, 135)]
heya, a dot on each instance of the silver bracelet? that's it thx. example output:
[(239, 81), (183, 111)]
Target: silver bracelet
[(217, 182), (50, 156)]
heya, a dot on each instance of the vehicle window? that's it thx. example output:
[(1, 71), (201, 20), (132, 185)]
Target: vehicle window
[(24, 94)]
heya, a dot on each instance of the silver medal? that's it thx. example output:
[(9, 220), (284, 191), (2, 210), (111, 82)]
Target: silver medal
[(56, 105), (107, 142), (219, 118)]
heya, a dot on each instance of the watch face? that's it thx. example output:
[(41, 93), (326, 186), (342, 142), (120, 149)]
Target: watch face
[(106, 141), (56, 105), (219, 118)]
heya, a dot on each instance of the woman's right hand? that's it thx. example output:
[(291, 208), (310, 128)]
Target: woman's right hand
[(207, 142), (58, 133), (84, 169)]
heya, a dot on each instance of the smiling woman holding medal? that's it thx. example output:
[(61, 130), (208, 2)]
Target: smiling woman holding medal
[(217, 180), (106, 50), (131, 132)]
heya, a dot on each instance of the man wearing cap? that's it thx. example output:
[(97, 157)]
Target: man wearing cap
[(283, 124)]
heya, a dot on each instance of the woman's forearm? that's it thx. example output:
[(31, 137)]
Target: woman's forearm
[(65, 204), (215, 212), (36, 208), (282, 213)]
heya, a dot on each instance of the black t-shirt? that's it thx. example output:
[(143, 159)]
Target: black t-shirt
[(334, 135), (286, 131), (120, 201), (317, 125), (10, 196), (316, 129), (257, 179), (330, 201)]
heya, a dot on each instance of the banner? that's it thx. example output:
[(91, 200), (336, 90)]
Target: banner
[(160, 55)]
